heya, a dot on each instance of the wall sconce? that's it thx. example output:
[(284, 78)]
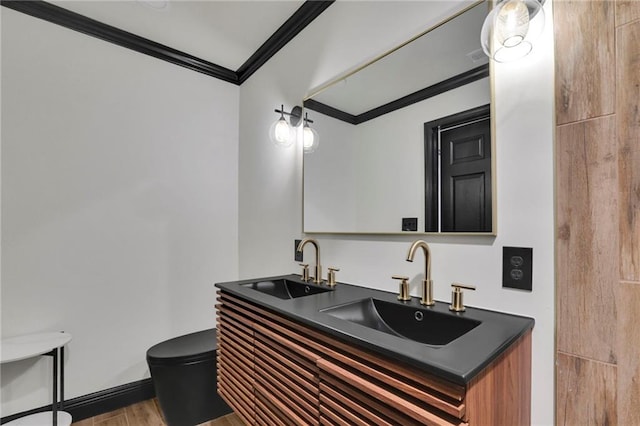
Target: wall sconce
[(283, 133), (310, 137), (510, 29)]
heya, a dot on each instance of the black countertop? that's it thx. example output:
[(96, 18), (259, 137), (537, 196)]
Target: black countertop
[(459, 361)]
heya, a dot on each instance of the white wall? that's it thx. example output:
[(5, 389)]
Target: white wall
[(330, 178), (345, 35), (119, 203)]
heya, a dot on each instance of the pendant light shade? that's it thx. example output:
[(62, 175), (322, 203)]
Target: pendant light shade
[(511, 28), (310, 137), (283, 133)]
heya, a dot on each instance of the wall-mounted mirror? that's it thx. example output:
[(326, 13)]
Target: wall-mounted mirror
[(405, 141)]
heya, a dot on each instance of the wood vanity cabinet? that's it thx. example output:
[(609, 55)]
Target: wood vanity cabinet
[(275, 371)]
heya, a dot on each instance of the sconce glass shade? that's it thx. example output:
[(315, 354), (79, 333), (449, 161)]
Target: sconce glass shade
[(281, 133), (510, 29), (310, 139)]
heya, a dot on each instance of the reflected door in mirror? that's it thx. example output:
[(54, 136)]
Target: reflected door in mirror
[(458, 157), (466, 178)]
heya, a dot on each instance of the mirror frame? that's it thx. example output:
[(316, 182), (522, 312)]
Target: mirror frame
[(349, 73)]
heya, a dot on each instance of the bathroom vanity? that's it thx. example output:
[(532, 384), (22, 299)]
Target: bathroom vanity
[(296, 353)]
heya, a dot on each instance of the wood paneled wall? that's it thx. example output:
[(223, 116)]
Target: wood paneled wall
[(597, 50)]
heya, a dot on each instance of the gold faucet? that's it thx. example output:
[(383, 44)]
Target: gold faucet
[(427, 284), (318, 269)]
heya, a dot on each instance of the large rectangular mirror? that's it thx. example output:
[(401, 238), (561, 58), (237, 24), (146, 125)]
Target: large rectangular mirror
[(400, 146)]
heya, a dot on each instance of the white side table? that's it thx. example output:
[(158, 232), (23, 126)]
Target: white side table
[(32, 345)]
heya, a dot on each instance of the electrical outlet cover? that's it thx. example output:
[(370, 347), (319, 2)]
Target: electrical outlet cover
[(409, 223), (517, 268)]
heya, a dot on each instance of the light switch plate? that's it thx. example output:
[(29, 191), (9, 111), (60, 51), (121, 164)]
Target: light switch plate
[(517, 268)]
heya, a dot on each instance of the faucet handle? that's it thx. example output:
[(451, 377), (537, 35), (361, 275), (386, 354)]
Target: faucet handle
[(331, 276), (305, 271), (403, 293), (456, 296)]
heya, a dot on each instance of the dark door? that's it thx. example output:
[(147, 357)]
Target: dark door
[(466, 177)]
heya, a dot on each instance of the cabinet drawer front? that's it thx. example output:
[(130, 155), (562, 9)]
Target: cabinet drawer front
[(236, 396), (338, 405), (234, 328), (273, 400), (299, 408), (288, 380), (388, 401), (246, 415), (279, 336), (401, 385), (293, 366), (267, 414), (228, 341), (235, 390)]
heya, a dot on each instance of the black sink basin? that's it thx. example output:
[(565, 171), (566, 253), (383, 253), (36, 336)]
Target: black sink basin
[(410, 322), (286, 289)]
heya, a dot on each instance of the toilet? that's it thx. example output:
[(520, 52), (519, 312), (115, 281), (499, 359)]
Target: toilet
[(184, 375)]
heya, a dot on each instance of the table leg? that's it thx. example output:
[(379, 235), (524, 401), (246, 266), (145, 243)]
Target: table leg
[(62, 377), (54, 408)]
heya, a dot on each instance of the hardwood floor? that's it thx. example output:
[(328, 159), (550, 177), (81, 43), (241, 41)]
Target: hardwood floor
[(146, 413)]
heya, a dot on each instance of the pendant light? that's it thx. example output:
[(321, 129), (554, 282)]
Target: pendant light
[(511, 28)]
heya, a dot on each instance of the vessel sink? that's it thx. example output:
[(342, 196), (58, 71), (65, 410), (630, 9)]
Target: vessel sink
[(419, 324), (286, 289)]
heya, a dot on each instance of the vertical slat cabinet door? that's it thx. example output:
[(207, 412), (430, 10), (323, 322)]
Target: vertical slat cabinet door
[(285, 371)]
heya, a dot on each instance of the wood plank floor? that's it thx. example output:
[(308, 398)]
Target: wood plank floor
[(146, 413)]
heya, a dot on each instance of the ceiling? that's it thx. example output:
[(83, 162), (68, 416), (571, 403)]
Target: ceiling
[(225, 33)]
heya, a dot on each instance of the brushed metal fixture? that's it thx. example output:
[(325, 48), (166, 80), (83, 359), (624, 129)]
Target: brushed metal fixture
[(331, 276), (403, 292), (305, 271), (427, 283), (318, 269), (456, 297)]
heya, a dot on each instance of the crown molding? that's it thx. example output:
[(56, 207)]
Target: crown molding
[(77, 22), (302, 17), (412, 98)]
